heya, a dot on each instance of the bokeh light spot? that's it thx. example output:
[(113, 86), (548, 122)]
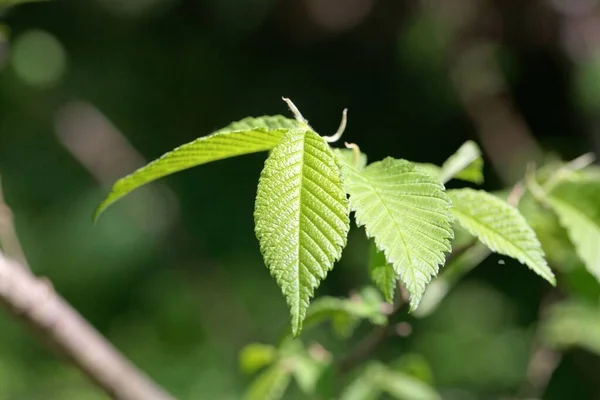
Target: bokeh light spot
[(38, 58)]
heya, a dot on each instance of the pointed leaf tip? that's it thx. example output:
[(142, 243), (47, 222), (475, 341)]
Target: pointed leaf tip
[(408, 214), (249, 135), (301, 217), (501, 227)]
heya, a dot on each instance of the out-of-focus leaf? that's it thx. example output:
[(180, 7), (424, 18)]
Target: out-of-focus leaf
[(415, 365), (399, 385), (573, 324), (555, 241), (465, 164), (361, 388), (346, 313), (378, 378), (307, 367), (577, 205), (270, 384), (256, 356)]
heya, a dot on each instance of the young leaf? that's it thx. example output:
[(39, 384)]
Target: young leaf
[(301, 217), (407, 213), (249, 135), (501, 227), (270, 384), (577, 205), (465, 164), (382, 273)]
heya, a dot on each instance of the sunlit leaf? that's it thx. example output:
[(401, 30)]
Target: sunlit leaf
[(465, 164), (407, 213), (501, 227), (301, 217), (577, 205), (249, 135)]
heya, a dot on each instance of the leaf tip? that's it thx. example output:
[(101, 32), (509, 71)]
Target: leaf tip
[(296, 327)]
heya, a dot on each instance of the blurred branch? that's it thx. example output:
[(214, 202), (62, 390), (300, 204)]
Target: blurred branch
[(8, 234), (365, 347), (35, 302), (543, 361), (474, 67)]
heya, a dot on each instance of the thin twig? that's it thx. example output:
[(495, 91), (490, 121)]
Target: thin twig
[(543, 361)]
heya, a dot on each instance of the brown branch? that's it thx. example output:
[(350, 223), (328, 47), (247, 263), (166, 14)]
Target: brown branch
[(34, 301)]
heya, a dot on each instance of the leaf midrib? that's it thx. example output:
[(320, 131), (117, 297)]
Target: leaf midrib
[(300, 227), (487, 227), (369, 182)]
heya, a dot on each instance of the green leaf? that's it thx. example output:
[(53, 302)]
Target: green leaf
[(407, 213), (382, 273), (465, 164), (249, 135), (501, 227), (577, 205), (270, 384), (400, 385), (301, 217), (256, 356)]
